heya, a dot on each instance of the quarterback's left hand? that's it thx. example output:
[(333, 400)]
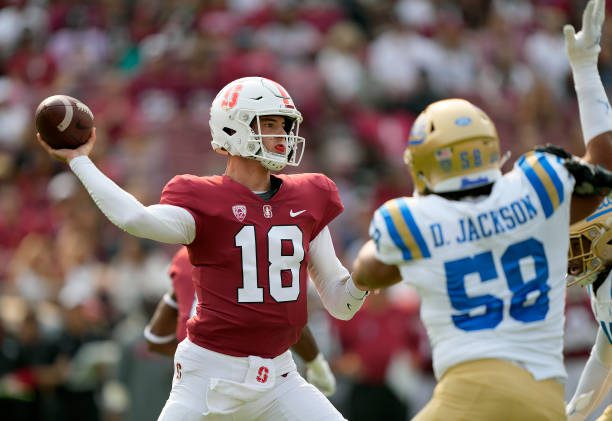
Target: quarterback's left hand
[(320, 375)]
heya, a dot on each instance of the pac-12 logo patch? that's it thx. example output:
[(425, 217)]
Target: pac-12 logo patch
[(240, 212)]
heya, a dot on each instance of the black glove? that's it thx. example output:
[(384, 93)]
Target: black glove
[(590, 179)]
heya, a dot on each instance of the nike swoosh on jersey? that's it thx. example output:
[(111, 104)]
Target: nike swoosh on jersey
[(294, 214)]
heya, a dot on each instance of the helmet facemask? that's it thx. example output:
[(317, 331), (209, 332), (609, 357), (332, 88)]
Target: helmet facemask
[(590, 249), (271, 160)]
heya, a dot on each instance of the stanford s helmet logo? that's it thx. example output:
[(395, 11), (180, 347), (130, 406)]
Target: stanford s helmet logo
[(230, 97)]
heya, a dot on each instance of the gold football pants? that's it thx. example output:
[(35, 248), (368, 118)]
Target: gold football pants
[(493, 390)]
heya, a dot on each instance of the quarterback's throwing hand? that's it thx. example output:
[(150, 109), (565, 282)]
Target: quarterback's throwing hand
[(65, 155), (583, 48)]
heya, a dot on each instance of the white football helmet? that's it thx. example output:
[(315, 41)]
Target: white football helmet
[(244, 101)]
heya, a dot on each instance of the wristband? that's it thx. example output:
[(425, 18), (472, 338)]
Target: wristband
[(170, 301), (155, 339)]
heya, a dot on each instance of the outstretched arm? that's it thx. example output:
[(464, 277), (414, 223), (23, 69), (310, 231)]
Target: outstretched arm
[(595, 381), (332, 280), (595, 113), (164, 223), (318, 372), (369, 273)]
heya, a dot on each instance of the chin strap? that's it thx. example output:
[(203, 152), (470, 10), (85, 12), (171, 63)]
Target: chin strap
[(505, 157)]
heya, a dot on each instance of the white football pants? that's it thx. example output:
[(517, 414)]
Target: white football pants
[(212, 386)]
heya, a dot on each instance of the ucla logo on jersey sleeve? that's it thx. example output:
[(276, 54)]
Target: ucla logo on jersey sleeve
[(544, 179), (403, 230)]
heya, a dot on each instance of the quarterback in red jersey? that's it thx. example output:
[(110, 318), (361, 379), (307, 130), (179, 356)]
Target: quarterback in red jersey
[(254, 238), (168, 326)]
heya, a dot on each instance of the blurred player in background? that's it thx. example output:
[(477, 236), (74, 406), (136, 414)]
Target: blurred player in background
[(589, 265), (253, 238), (168, 326), (487, 252)]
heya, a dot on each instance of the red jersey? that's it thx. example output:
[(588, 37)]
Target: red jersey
[(180, 273), (250, 257)]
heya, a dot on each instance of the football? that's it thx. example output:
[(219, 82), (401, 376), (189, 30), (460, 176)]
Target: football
[(64, 122)]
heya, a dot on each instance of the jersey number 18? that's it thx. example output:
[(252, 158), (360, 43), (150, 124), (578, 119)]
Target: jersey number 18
[(278, 262)]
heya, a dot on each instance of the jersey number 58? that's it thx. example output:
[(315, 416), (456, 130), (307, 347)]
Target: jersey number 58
[(524, 306)]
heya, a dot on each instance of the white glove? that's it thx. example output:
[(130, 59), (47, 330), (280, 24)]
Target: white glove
[(574, 408), (583, 48), (320, 375)]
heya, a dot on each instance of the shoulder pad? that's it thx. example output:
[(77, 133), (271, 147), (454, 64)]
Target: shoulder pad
[(403, 230)]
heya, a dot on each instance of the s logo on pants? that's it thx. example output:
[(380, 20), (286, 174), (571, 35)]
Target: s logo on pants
[(262, 374)]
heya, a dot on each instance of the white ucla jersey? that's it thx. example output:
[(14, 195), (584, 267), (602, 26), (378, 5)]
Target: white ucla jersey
[(490, 272), (601, 304)]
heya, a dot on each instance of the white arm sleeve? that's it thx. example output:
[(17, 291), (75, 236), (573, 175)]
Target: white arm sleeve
[(164, 223), (593, 104), (595, 380), (338, 293)]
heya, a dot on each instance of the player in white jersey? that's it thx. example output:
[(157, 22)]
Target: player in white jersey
[(487, 252), (590, 265)]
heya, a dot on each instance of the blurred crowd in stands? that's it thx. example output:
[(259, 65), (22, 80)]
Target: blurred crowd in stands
[(76, 292)]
